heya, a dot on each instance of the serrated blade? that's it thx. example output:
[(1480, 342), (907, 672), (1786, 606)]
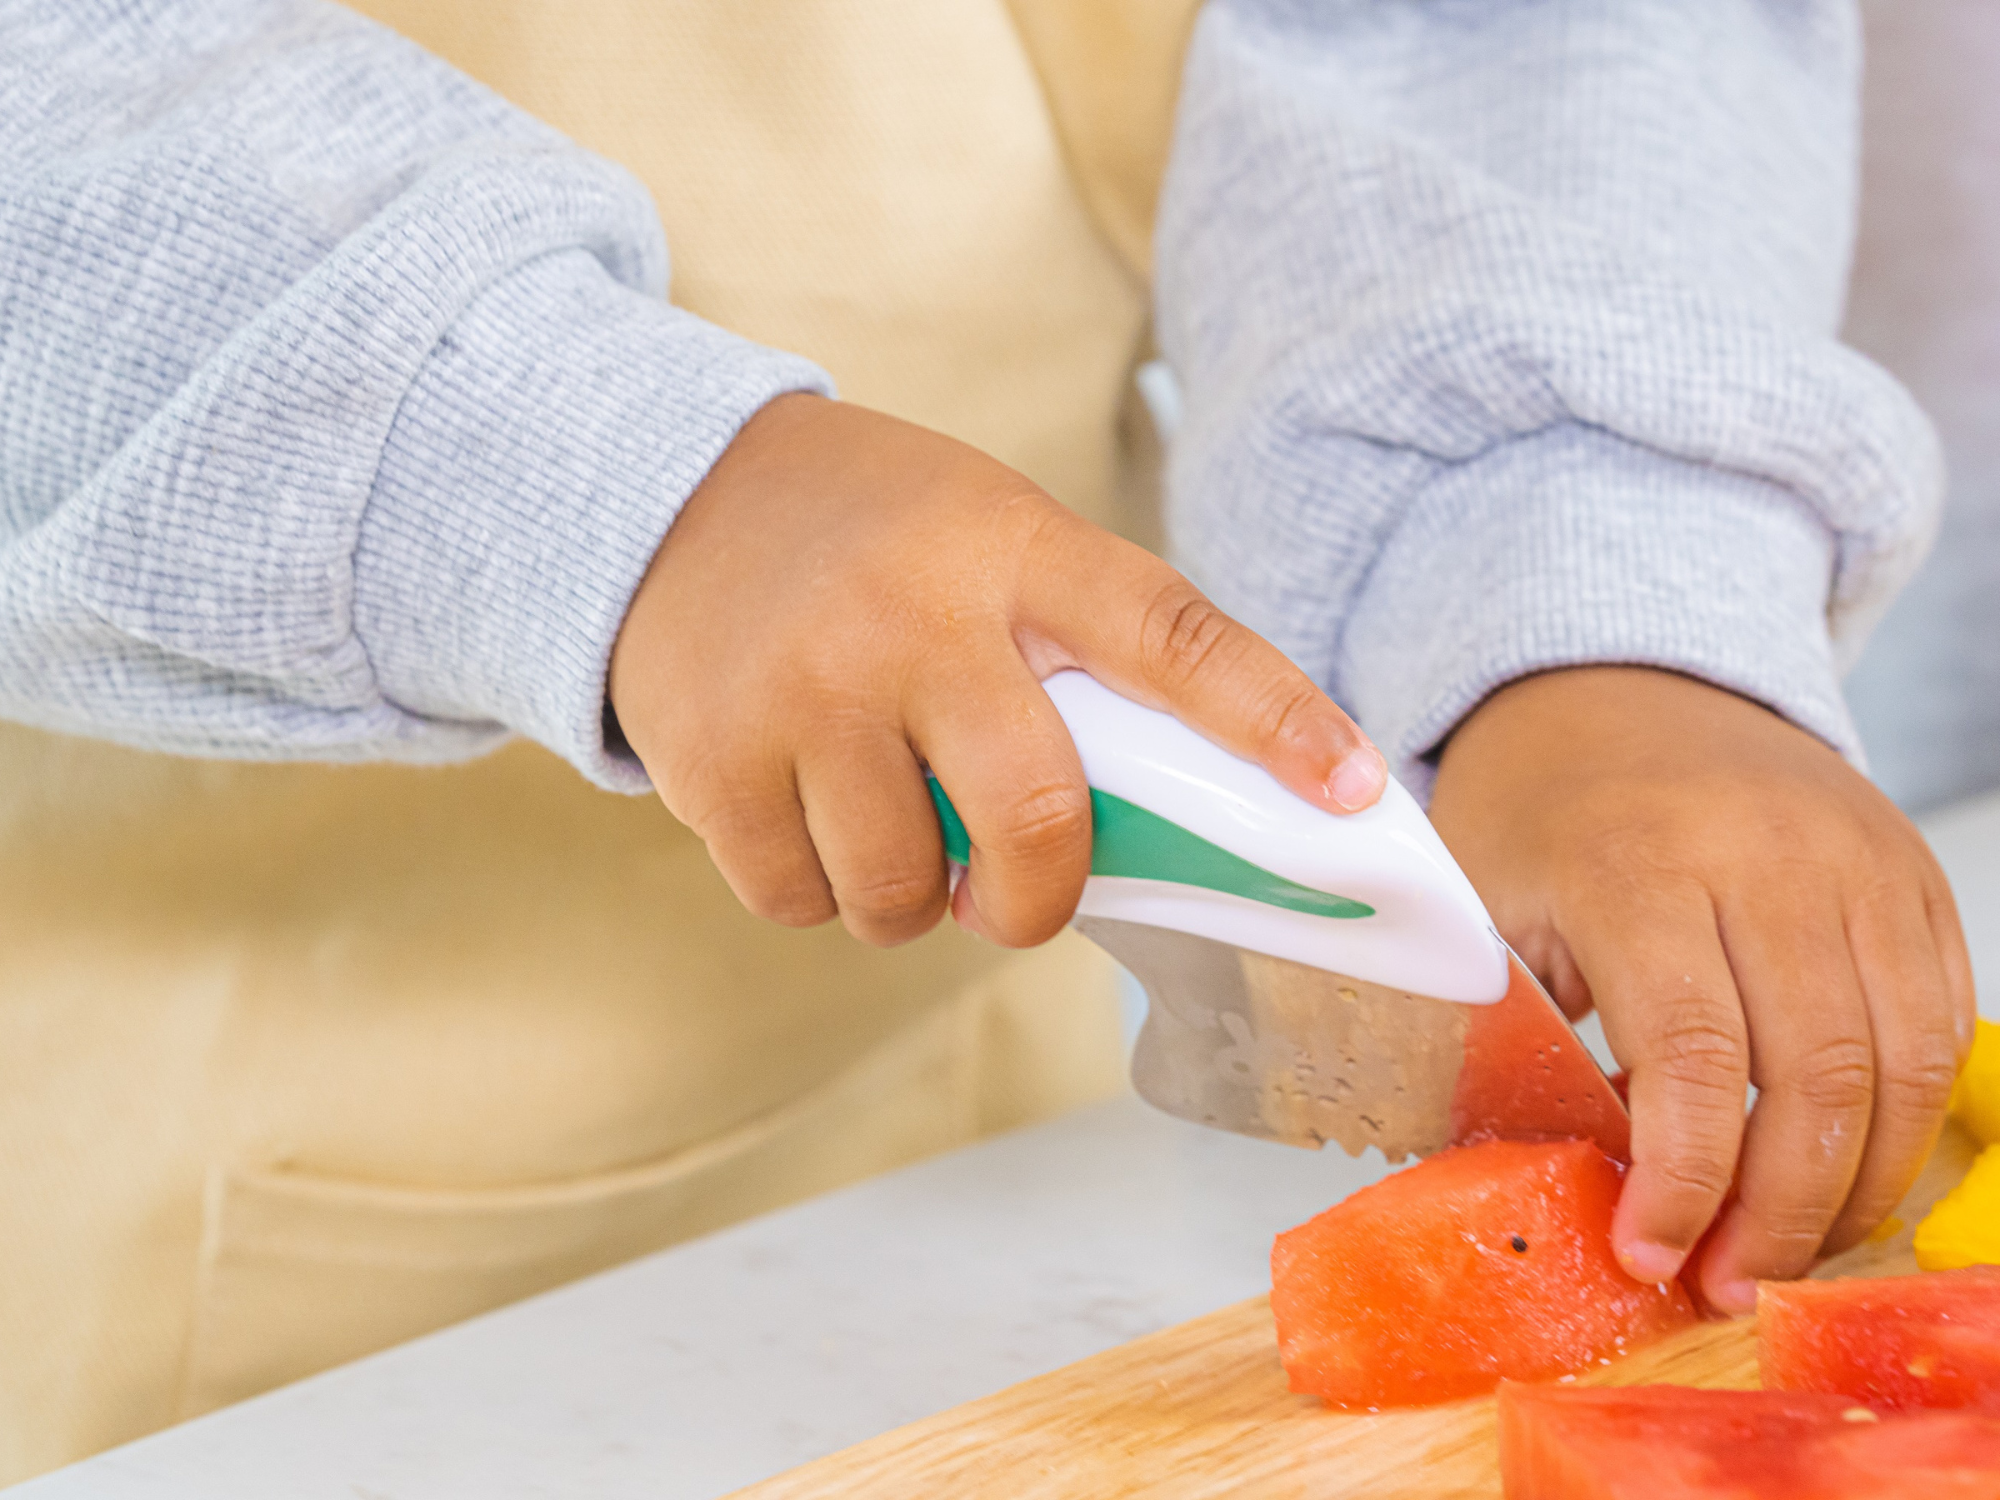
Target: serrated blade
[(1286, 1052)]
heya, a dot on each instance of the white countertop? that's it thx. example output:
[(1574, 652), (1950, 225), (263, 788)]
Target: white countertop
[(703, 1368), (714, 1364)]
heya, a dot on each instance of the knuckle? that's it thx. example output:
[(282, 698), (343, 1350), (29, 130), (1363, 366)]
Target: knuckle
[(726, 826), (1030, 507), (1181, 633), (1689, 1173), (1920, 1083), (774, 873), (725, 813), (791, 904), (1285, 710), (1021, 929), (1695, 1050), (1628, 856), (1024, 521), (1046, 822), (1877, 894), (1837, 1076), (893, 902), (1796, 1231)]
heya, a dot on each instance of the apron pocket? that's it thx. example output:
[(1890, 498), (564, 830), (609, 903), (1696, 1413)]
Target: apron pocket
[(300, 1271)]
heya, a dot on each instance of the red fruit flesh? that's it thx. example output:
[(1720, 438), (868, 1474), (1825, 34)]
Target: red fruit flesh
[(1485, 1261), (1895, 1343), (1520, 1088), (1668, 1442), (1662, 1442), (1924, 1455)]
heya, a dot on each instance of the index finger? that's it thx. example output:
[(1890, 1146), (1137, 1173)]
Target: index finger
[(1096, 601), (1674, 1020)]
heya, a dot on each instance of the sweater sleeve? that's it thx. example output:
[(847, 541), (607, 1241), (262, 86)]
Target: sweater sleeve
[(1505, 333), (341, 410)]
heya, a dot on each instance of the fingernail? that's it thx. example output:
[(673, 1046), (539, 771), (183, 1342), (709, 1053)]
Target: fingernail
[(965, 910), (1737, 1298), (1648, 1260), (1357, 781)]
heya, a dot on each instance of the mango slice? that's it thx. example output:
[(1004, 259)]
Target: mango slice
[(1975, 1099), (1964, 1228)]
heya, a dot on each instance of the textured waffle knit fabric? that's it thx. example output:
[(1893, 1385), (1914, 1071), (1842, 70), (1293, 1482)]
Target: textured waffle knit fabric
[(342, 409), (1507, 341)]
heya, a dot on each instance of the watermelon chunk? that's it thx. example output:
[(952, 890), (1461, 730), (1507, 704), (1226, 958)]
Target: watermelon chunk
[(1485, 1261), (1894, 1342), (1669, 1442), (1665, 1442), (1930, 1455)]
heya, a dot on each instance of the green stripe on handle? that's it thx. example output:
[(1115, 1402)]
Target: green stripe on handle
[(1128, 840)]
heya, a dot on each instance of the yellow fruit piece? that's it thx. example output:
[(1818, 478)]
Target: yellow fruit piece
[(1975, 1099), (1964, 1228)]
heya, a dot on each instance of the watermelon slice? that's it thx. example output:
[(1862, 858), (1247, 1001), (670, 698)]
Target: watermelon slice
[(1930, 1455), (1893, 1342), (1485, 1261), (1669, 1442)]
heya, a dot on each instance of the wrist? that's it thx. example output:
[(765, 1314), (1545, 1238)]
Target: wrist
[(544, 450), (1572, 549)]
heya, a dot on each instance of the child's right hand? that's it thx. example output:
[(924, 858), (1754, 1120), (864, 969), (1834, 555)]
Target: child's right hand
[(846, 599)]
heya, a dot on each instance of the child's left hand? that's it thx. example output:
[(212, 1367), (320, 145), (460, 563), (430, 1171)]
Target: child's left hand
[(1742, 906)]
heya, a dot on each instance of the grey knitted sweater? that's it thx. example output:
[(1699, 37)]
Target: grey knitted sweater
[(341, 408)]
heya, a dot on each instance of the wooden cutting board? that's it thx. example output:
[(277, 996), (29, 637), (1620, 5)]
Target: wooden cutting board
[(1201, 1411)]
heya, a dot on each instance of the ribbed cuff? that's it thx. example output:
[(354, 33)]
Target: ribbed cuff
[(530, 475), (1573, 547)]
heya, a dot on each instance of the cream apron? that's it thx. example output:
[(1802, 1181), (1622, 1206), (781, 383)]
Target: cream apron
[(298, 1062)]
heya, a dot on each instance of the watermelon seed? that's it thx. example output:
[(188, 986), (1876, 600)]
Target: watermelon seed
[(1520, 1245)]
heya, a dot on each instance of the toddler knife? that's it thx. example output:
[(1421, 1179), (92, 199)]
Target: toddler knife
[(1311, 977)]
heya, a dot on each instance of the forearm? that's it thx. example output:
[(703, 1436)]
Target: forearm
[(257, 504), (1505, 332)]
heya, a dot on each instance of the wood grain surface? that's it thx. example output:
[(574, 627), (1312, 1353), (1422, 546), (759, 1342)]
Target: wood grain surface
[(1201, 1411)]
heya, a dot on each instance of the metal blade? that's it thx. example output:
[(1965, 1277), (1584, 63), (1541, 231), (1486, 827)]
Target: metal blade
[(1279, 1050)]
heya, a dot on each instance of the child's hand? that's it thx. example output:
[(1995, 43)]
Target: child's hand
[(1741, 906), (847, 598)]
